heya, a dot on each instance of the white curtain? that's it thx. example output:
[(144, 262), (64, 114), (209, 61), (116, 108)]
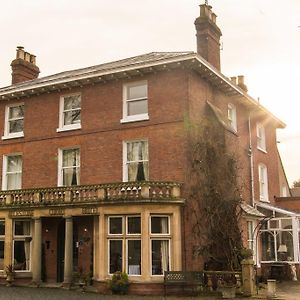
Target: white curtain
[(132, 159), (164, 250), (71, 163), (144, 148), (14, 172)]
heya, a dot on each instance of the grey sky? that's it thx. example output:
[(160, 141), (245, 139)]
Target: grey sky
[(261, 40)]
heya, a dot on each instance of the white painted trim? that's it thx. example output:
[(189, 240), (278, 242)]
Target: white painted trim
[(135, 118), (61, 126), (259, 127), (6, 134), (262, 170), (4, 169)]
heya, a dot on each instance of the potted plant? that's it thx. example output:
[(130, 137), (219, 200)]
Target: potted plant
[(119, 283), (228, 286), (10, 274)]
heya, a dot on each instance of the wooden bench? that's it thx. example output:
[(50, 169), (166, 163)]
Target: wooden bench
[(186, 282)]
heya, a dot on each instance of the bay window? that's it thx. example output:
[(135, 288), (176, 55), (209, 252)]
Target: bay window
[(160, 244), (124, 243)]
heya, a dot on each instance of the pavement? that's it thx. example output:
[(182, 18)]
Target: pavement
[(288, 290)]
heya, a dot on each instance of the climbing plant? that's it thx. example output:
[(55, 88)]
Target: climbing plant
[(213, 195)]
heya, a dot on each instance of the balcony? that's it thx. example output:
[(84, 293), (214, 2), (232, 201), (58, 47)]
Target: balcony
[(125, 192)]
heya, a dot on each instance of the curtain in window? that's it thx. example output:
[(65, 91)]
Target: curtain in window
[(71, 163), (132, 157), (27, 254), (137, 161), (14, 172), (164, 250)]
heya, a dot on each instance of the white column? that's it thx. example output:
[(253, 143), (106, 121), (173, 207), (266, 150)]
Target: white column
[(68, 263), (295, 226), (37, 252)]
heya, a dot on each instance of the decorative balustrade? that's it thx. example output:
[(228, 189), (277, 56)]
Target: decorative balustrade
[(115, 192)]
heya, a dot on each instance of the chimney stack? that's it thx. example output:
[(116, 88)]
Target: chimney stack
[(208, 36), (241, 83), (24, 66)]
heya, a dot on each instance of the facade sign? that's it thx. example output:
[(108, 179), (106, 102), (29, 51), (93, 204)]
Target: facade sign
[(56, 212), (20, 213), (89, 210)]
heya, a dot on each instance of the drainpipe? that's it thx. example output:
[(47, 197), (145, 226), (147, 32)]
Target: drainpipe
[(251, 162)]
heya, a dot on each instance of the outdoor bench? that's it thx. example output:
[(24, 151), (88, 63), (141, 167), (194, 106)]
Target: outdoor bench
[(181, 281)]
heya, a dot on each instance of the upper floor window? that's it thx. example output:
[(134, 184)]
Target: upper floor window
[(135, 101), (136, 161), (14, 121), (261, 137), (12, 172), (231, 114), (69, 167), (70, 112), (263, 182)]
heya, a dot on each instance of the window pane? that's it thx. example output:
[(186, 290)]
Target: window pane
[(16, 112), (71, 157), (286, 224), (268, 245), (14, 181), (134, 225), (21, 255), (2, 227), (14, 163), (134, 257), (1, 255), (22, 227), (72, 117), (160, 257), (16, 126), (285, 249), (115, 256), (71, 102), (160, 225), (137, 107), (138, 91), (116, 225)]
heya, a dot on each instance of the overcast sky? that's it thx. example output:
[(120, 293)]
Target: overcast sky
[(261, 40)]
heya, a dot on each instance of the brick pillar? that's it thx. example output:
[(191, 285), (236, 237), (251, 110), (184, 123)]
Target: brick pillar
[(37, 252), (68, 263)]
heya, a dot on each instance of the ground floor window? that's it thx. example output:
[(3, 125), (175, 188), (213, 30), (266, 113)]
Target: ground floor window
[(124, 242), (22, 245)]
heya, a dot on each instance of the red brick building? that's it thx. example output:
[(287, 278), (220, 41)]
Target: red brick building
[(95, 163)]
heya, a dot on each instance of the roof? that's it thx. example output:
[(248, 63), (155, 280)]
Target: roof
[(295, 191), (130, 67), (251, 211), (276, 209)]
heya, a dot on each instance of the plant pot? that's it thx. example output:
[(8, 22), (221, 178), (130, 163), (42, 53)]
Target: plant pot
[(228, 292), (9, 279)]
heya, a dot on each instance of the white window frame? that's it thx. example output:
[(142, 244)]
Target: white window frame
[(232, 116), (4, 169), (160, 237), (261, 137), (137, 117), (125, 169), (22, 238), (124, 237), (60, 178), (263, 183), (68, 127), (7, 134)]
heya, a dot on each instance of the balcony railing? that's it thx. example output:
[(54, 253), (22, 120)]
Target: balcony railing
[(146, 191)]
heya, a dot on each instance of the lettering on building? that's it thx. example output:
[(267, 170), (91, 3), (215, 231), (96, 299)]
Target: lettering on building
[(56, 212), (21, 213), (89, 210)]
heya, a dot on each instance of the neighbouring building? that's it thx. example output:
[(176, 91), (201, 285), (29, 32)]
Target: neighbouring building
[(94, 166)]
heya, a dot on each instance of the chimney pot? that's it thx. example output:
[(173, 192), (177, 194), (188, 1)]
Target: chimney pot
[(233, 79), (24, 66), (241, 83)]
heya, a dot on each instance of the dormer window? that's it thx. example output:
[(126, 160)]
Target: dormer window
[(135, 102), (14, 121), (261, 137), (231, 114), (70, 112)]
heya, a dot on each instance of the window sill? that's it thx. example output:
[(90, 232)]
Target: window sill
[(68, 128), (13, 136), (264, 200), (262, 150), (136, 118)]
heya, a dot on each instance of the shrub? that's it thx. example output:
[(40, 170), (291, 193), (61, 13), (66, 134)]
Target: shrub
[(119, 283)]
